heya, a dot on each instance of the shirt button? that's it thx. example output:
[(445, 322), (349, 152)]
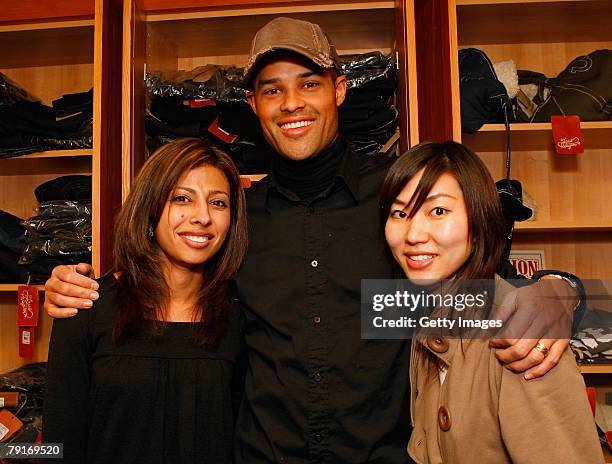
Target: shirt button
[(314, 263), (317, 377), (318, 437), (317, 320)]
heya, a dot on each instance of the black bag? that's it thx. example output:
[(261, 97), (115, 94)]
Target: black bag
[(483, 97), (583, 88)]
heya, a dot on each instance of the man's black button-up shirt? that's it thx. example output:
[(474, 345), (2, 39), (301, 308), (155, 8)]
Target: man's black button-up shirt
[(316, 392)]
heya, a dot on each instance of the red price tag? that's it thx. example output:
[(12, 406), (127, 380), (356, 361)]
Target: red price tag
[(223, 135), (27, 337), (27, 302), (27, 319), (567, 135)]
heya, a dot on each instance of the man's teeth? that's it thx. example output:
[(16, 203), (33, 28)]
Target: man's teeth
[(295, 125), (421, 257), (197, 238)]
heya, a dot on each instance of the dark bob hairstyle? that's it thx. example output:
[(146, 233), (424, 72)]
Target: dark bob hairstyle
[(485, 219)]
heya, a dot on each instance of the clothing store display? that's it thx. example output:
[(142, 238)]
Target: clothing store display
[(515, 420), (11, 232), (12, 243), (28, 126), (592, 344), (583, 88), (10, 270), (61, 232), (11, 93), (210, 102), (178, 398), (69, 188), (367, 118), (28, 382), (483, 97), (325, 388)]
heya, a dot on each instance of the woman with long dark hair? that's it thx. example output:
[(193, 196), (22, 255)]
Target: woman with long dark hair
[(442, 219), (151, 375)]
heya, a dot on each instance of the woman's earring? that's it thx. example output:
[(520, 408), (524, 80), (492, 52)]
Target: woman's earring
[(150, 231)]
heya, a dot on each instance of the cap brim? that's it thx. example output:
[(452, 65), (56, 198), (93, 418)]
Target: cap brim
[(296, 48)]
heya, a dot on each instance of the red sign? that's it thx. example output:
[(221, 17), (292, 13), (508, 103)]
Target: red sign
[(567, 135), (27, 319)]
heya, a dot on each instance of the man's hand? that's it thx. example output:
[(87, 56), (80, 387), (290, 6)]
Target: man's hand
[(537, 324), (69, 289)]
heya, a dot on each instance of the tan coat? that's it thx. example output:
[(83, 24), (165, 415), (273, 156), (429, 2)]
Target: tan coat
[(483, 413)]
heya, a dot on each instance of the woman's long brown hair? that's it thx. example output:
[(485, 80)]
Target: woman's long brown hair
[(142, 290)]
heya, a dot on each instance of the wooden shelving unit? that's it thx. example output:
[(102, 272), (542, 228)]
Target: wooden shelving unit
[(573, 218), (169, 36), (56, 48)]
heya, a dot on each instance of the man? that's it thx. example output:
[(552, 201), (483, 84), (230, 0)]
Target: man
[(315, 392)]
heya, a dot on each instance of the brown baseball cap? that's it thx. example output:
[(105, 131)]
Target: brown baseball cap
[(302, 37)]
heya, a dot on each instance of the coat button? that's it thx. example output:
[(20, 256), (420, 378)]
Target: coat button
[(317, 377), (439, 345), (314, 263), (444, 419), (317, 320)]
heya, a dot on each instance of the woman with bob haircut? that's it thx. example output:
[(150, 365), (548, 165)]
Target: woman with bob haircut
[(151, 374), (443, 220)]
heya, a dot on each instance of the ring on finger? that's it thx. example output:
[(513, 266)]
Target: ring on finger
[(542, 349)]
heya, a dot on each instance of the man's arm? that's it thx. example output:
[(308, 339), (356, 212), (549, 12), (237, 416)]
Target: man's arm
[(69, 289), (538, 323)]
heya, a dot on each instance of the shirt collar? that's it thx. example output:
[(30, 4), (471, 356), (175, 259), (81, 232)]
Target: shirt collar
[(348, 174)]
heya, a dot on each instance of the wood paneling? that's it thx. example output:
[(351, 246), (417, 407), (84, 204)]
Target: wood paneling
[(587, 254), (9, 333), (29, 11), (107, 163), (433, 45), (133, 92), (407, 88), (549, 22), (359, 30), (156, 6)]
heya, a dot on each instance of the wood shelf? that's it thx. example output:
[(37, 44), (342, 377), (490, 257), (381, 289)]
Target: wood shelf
[(512, 2), (61, 24), (267, 9), (533, 22), (543, 126), (13, 287), (578, 226), (595, 369), (32, 12), (54, 154), (47, 163)]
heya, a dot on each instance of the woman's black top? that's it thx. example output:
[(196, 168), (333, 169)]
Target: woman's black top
[(148, 400)]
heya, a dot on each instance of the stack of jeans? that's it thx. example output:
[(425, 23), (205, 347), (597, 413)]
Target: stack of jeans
[(210, 102), (367, 117), (12, 243), (28, 126), (233, 125), (61, 232)]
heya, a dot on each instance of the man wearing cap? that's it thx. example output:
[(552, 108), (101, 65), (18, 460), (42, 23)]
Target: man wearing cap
[(315, 392)]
